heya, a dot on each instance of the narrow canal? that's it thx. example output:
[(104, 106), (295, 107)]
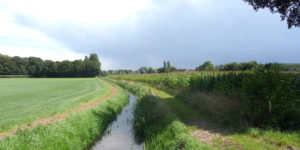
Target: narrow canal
[(119, 135)]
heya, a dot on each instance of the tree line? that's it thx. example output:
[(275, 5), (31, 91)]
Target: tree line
[(36, 67), (206, 66), (246, 66), (166, 68)]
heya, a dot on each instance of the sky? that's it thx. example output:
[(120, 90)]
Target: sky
[(128, 34)]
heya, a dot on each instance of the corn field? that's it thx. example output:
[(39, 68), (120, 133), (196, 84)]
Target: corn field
[(271, 97)]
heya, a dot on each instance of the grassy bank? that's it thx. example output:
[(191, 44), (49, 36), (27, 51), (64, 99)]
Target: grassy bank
[(205, 116), (156, 124), (78, 131), (25, 100)]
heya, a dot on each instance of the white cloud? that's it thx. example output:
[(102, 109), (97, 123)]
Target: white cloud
[(16, 40), (50, 54), (89, 15), (80, 11)]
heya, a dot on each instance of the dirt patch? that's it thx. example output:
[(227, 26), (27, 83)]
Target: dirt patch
[(59, 117), (208, 132), (205, 136)]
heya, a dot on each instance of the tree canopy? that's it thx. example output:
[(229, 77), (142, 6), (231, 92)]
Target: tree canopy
[(36, 67), (288, 9), (207, 66)]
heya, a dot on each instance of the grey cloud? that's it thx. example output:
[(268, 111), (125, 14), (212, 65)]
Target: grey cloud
[(184, 34)]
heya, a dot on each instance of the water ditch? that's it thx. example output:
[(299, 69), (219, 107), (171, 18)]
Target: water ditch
[(119, 135)]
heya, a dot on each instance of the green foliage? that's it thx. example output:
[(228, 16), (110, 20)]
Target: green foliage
[(166, 68), (77, 132), (156, 124), (231, 67), (144, 70), (207, 66), (271, 96), (117, 72), (288, 9), (290, 67), (36, 67)]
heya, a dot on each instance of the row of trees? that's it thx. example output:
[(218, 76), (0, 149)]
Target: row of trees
[(36, 67), (118, 72), (143, 70), (208, 66), (166, 68)]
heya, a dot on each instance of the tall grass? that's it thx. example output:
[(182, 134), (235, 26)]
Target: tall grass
[(156, 124), (78, 131)]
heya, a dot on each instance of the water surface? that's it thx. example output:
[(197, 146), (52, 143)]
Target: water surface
[(119, 135)]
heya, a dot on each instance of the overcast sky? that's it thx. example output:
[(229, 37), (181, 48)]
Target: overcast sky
[(134, 33)]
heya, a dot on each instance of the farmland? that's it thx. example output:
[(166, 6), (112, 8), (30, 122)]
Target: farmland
[(79, 109), (193, 110), (227, 110), (25, 100)]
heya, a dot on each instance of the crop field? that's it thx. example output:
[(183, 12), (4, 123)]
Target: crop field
[(226, 110), (26, 99)]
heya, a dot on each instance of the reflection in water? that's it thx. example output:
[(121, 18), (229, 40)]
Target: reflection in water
[(120, 134)]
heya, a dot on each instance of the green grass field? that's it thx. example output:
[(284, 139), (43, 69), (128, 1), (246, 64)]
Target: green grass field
[(25, 100), (77, 132)]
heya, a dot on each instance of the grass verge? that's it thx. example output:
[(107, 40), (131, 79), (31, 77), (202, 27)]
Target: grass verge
[(78, 131), (156, 124)]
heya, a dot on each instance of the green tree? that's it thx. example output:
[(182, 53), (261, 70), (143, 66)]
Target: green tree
[(165, 65), (143, 70), (168, 64), (50, 68), (231, 67), (65, 68), (172, 69), (206, 66), (36, 66), (248, 65), (288, 9), (151, 70), (92, 65), (78, 68)]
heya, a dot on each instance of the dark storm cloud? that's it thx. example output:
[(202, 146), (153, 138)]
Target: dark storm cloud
[(184, 33)]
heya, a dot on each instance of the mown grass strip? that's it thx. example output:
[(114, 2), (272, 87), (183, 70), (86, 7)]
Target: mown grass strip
[(78, 131)]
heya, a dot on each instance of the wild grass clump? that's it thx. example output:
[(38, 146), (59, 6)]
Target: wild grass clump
[(78, 131)]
